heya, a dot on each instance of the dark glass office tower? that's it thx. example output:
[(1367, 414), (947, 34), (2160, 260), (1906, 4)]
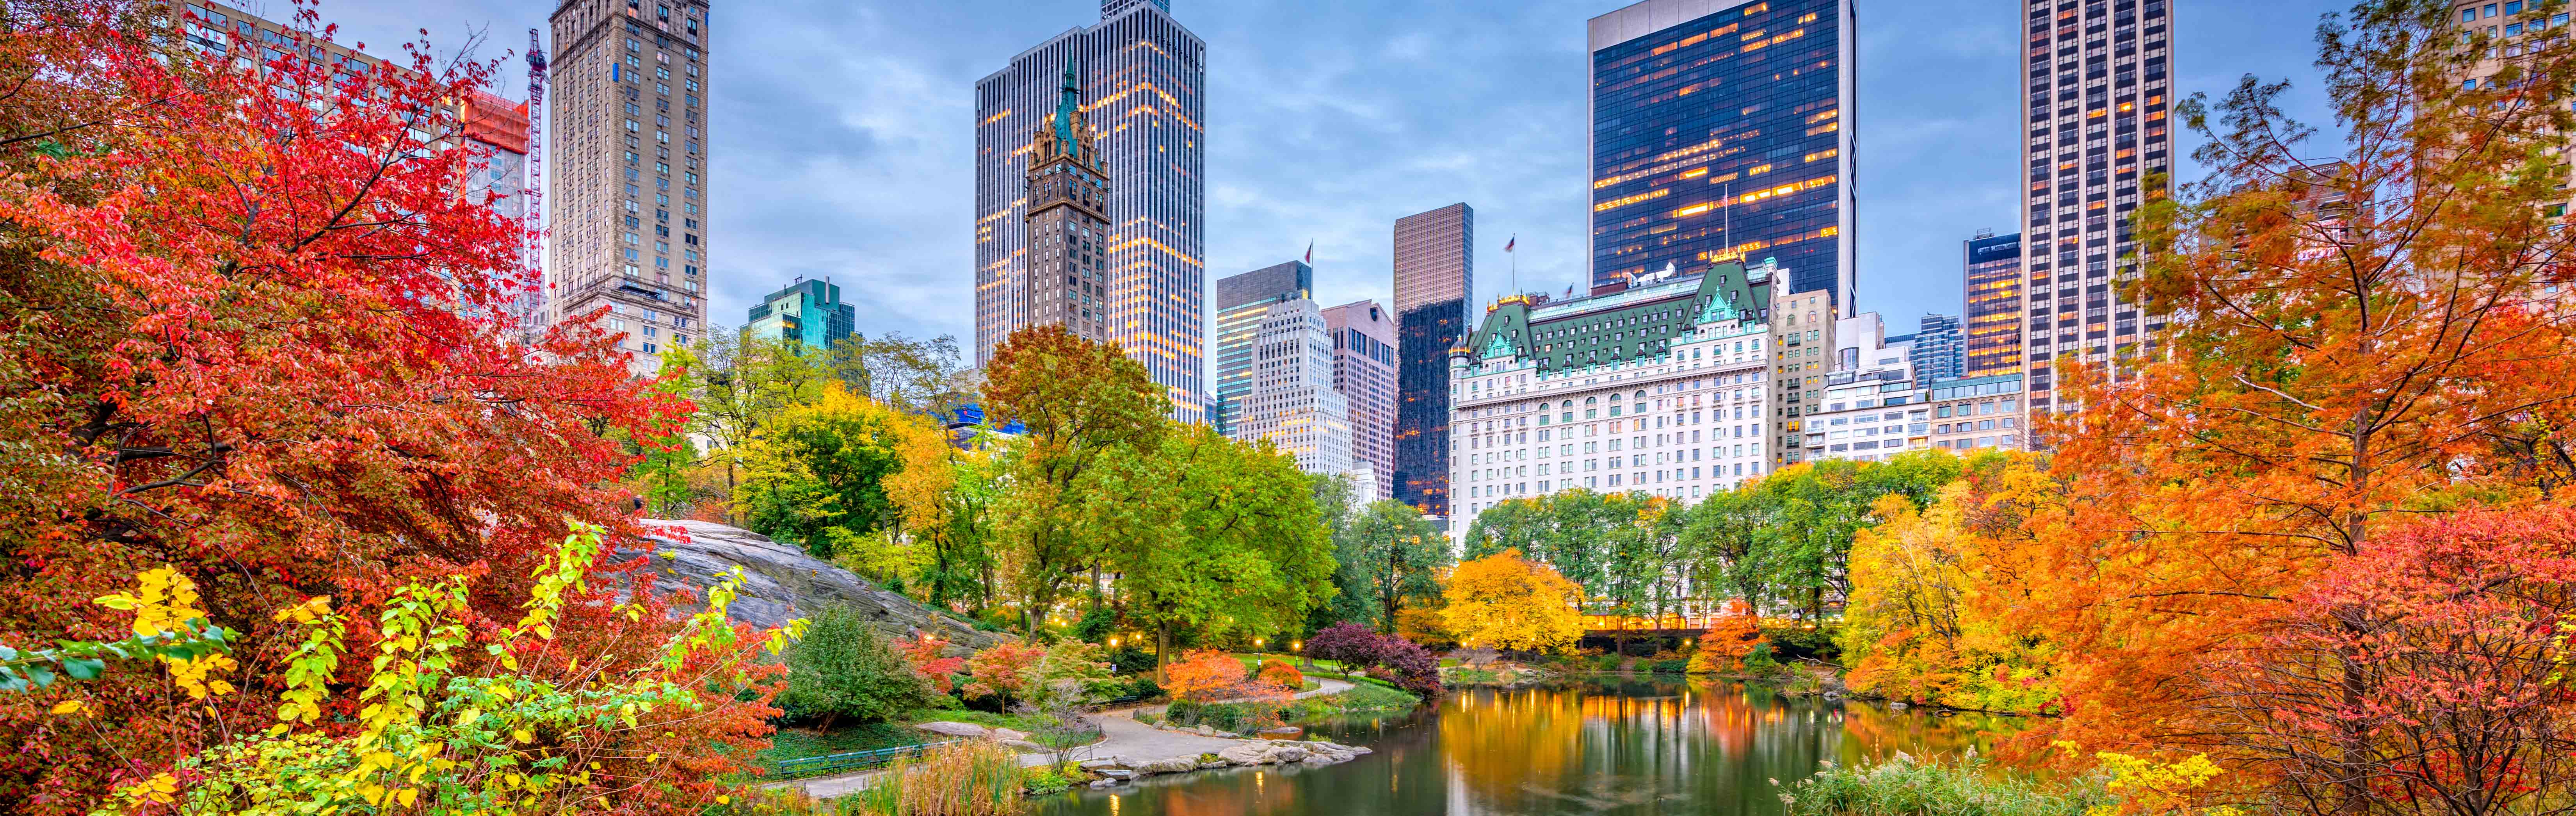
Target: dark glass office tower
[(1722, 130), (1991, 324), (1435, 273)]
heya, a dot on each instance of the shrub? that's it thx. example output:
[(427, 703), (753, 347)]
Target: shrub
[(1350, 644), (845, 668), (1275, 672), (1129, 659), (1002, 671), (1408, 666), (1095, 625), (1609, 662), (1143, 687), (1670, 666), (923, 650), (1204, 674)]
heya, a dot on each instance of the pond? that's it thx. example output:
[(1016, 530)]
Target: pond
[(1615, 746)]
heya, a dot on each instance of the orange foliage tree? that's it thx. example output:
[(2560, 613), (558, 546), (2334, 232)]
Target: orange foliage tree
[(1276, 673), (253, 336), (2376, 336), (1203, 675), (924, 653), (1731, 637)]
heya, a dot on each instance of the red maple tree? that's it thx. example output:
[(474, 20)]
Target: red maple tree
[(248, 328)]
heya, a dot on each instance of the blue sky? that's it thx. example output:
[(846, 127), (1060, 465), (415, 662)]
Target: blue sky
[(842, 131)]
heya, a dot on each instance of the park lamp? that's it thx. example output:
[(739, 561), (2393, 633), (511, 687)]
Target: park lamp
[(1298, 646), (1256, 643), (1113, 641)]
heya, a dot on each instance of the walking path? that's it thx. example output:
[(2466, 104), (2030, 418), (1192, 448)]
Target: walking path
[(1121, 736)]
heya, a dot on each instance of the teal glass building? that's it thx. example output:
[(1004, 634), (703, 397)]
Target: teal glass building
[(808, 312)]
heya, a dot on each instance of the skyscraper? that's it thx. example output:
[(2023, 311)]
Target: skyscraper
[(1143, 73), (807, 312), (1364, 371), (1067, 231), (1721, 130), (1242, 302), (1990, 326), (1293, 403), (1435, 273), (2097, 93), (626, 193), (1935, 353)]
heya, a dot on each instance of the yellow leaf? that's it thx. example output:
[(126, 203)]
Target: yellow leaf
[(522, 735), (407, 795), (67, 707), (722, 799)]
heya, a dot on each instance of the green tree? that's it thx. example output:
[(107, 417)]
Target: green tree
[(1722, 539), (816, 475), (1387, 556), (925, 377), (1514, 524), (1812, 511), (845, 668), (1081, 403), (739, 384), (1210, 535)]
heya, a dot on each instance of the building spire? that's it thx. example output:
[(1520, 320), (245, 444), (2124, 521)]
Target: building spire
[(1068, 105)]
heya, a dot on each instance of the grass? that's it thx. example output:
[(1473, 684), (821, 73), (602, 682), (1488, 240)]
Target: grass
[(799, 743), (1905, 786), (966, 779)]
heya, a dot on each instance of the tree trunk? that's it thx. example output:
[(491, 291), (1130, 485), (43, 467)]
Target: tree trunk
[(1162, 650)]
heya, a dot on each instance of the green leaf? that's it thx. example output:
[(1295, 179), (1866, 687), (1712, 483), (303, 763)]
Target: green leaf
[(84, 668)]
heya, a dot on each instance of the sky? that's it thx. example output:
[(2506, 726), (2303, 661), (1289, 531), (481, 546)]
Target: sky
[(842, 131)]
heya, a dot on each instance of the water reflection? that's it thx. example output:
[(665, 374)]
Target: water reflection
[(1619, 747)]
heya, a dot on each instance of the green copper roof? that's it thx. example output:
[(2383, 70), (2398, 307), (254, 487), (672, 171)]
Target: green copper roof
[(1066, 104)]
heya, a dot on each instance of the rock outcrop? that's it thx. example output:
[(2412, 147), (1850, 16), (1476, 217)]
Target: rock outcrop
[(781, 582)]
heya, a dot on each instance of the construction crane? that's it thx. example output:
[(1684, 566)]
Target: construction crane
[(536, 165)]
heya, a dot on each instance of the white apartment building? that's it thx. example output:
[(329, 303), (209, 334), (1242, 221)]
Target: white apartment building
[(1870, 409), (1657, 385)]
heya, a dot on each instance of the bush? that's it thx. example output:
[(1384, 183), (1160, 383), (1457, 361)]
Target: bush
[(1095, 625), (1670, 666), (845, 668), (1130, 660), (1206, 674), (1409, 666), (1350, 644), (1792, 643), (1609, 662), (1240, 718), (1143, 687), (1906, 787), (1275, 672)]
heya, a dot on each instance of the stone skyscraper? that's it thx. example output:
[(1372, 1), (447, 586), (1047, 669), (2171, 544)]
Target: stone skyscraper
[(2097, 89), (1364, 371), (1143, 74), (626, 160), (1435, 274), (1722, 130), (1065, 223)]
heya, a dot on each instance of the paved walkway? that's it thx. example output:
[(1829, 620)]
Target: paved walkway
[(1121, 736)]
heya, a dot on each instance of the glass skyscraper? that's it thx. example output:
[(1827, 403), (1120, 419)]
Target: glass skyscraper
[(1435, 273), (1242, 303), (1143, 75), (807, 312), (1721, 130), (1991, 323)]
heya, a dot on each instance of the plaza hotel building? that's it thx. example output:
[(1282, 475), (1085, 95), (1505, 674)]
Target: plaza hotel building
[(1660, 385)]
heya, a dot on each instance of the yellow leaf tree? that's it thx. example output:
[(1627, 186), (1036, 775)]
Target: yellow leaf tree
[(1503, 601)]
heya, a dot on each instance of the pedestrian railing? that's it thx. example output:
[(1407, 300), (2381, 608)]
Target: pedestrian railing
[(853, 760)]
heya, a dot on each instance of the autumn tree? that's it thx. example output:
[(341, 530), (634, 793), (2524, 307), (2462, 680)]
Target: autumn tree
[(1206, 534), (1388, 556), (944, 495), (1932, 589), (1204, 675), (815, 475), (2376, 334), (1502, 601), (2445, 639), (246, 330), (1728, 640), (738, 384), (1081, 402)]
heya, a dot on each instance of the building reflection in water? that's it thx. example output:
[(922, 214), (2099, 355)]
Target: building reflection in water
[(1621, 747)]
